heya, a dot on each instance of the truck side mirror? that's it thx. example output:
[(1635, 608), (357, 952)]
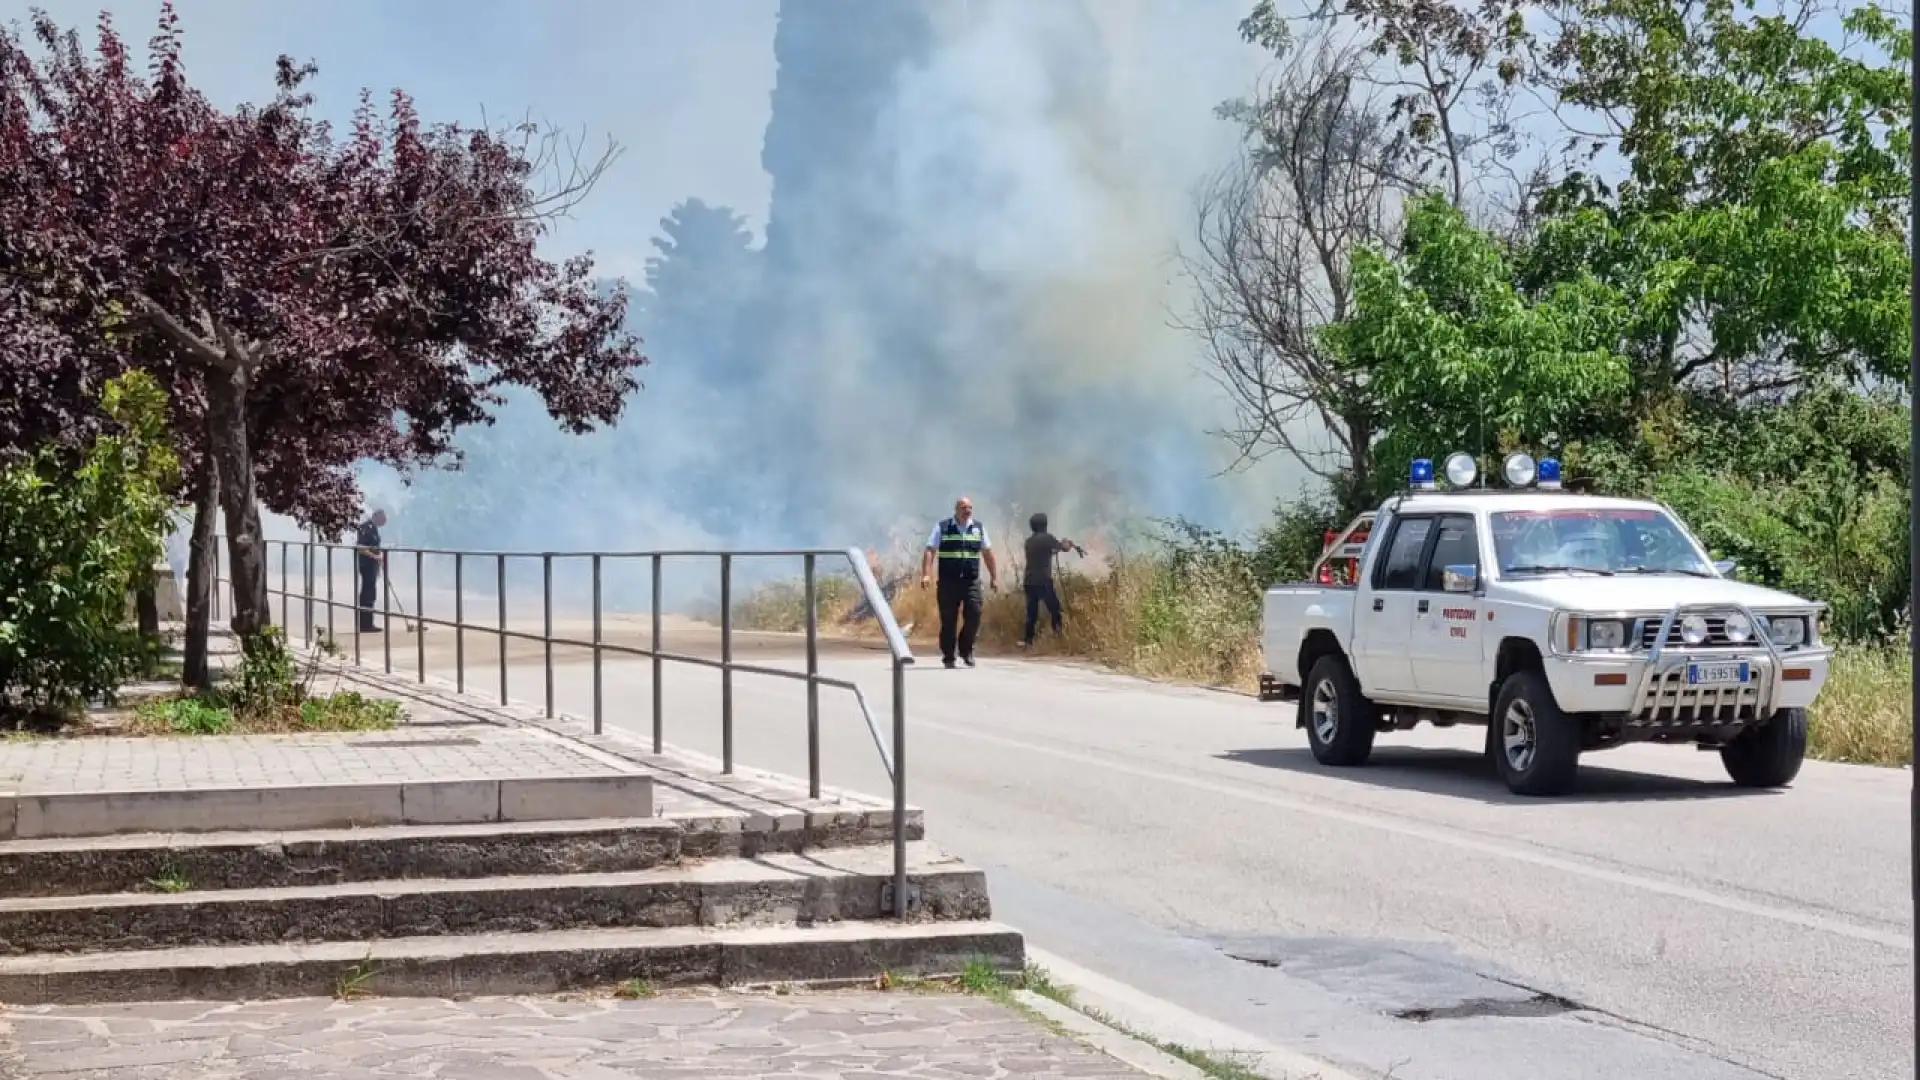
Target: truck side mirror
[(1724, 567), (1459, 578)]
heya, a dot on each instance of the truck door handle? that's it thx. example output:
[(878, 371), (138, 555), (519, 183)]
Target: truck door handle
[(1423, 607), (1379, 604)]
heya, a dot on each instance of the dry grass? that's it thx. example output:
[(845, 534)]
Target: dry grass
[(1143, 616), (1196, 620), (1865, 713)]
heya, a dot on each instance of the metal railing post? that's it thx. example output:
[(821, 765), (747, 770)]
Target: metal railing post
[(306, 589), (899, 789), (459, 623), (500, 589), (384, 581), (360, 614), (597, 720), (726, 663), (285, 593), (659, 719), (419, 617), (813, 683), (546, 622), (215, 613), (330, 640)]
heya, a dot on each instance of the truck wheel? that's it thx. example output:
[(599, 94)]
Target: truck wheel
[(1768, 755), (1535, 746), (1339, 721)]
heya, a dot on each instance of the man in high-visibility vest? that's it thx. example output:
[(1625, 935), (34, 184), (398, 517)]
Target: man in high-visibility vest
[(960, 544)]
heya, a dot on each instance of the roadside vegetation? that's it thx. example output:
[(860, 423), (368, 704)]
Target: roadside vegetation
[(1696, 292)]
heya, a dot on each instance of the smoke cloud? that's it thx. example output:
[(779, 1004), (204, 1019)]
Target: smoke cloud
[(964, 284)]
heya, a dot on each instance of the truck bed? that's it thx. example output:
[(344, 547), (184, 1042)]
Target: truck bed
[(1288, 613)]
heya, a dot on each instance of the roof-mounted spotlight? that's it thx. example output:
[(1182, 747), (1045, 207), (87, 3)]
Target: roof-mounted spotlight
[(1518, 469), (1461, 470)]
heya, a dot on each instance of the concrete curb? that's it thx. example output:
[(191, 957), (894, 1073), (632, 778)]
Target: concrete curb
[(1111, 1041), (1097, 996)]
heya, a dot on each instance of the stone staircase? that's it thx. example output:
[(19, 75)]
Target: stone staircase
[(497, 907)]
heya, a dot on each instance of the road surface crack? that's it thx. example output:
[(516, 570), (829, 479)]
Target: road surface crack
[(1537, 1005)]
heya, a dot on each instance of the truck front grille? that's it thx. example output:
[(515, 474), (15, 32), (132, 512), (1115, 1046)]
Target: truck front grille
[(1716, 635), (1670, 702)]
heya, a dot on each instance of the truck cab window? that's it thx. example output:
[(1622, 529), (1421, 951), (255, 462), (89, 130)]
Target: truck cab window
[(1457, 545), (1400, 569)]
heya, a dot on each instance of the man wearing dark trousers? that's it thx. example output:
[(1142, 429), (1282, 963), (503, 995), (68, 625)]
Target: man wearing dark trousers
[(368, 558), (1042, 546), (960, 544)]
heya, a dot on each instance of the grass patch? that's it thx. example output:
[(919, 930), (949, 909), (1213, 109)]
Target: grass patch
[(217, 713), (268, 696)]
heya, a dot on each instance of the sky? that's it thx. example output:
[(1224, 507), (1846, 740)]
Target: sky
[(681, 85), (684, 87)]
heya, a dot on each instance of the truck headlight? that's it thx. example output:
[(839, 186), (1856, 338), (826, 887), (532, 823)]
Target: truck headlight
[(1693, 629), (1787, 631), (1738, 629), (1606, 634)]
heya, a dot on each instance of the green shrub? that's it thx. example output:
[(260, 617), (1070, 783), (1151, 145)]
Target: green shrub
[(74, 537)]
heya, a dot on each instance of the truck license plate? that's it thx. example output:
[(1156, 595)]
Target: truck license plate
[(1714, 674)]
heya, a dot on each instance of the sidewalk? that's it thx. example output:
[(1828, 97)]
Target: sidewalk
[(704, 1035)]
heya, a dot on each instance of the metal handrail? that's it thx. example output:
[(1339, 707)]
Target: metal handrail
[(892, 757)]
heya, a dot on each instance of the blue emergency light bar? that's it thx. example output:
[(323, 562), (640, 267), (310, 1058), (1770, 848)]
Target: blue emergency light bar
[(1549, 477), (1422, 474)]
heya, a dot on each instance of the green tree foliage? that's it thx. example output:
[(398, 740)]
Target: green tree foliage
[(73, 538), (1759, 226), (1709, 304), (1457, 355)]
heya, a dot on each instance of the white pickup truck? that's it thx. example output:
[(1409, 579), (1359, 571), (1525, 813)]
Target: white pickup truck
[(1564, 622)]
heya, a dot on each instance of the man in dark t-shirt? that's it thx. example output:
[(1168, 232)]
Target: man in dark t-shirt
[(1042, 546), (367, 558)]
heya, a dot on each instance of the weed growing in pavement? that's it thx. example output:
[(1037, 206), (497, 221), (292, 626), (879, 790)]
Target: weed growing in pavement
[(353, 983), (635, 990), (170, 880), (982, 977)]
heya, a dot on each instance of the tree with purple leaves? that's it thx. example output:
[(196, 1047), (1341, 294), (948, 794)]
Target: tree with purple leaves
[(308, 299)]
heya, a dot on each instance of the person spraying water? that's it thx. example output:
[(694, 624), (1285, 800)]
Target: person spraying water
[(1042, 548)]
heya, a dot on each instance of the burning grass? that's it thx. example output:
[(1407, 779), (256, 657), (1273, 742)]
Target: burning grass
[(1188, 610)]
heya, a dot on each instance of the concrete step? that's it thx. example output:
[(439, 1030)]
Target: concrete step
[(825, 886), (503, 964), (262, 860)]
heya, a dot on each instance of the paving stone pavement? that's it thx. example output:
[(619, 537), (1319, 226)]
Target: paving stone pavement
[(692, 1036), (411, 752)]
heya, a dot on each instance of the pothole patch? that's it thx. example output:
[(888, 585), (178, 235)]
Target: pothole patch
[(1539, 1005)]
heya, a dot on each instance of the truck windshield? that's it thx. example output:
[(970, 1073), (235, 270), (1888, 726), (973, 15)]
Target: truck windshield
[(1597, 540)]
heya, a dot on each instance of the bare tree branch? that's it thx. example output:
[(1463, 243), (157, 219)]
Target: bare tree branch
[(1322, 174)]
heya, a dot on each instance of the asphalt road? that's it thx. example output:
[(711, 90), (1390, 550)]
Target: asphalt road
[(1407, 917)]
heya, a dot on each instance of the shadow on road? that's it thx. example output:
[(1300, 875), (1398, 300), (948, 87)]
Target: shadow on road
[(1471, 776)]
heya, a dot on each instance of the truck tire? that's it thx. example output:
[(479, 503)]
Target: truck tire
[(1535, 746), (1770, 755), (1339, 720)]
